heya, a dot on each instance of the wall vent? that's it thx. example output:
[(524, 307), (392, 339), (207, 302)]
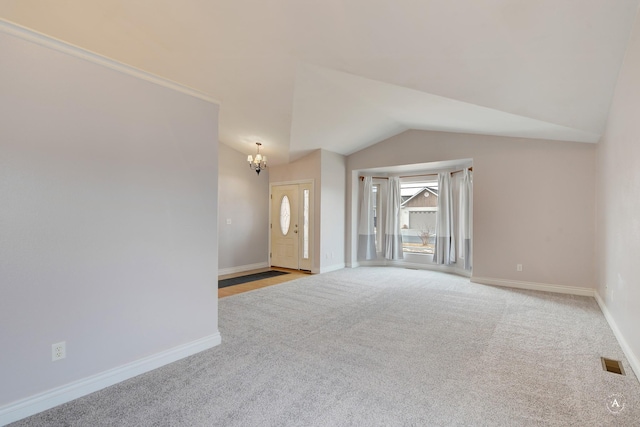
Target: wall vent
[(611, 365)]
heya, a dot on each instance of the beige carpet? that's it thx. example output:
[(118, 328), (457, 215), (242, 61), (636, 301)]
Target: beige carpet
[(382, 347)]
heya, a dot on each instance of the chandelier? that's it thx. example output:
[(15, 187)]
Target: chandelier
[(259, 162)]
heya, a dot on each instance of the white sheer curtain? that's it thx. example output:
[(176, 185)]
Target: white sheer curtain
[(366, 234), (392, 236), (466, 190), (445, 249)]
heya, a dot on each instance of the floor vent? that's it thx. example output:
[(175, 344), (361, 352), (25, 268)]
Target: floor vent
[(611, 365)]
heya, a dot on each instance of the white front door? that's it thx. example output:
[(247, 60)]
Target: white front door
[(291, 232), (284, 226)]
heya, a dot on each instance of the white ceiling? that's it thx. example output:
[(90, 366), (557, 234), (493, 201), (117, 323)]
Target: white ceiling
[(298, 75)]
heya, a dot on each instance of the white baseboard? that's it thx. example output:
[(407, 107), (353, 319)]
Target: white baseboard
[(560, 289), (331, 268), (40, 402), (634, 360), (241, 268), (433, 267), (414, 265)]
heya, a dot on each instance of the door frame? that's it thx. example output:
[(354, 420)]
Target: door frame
[(312, 227)]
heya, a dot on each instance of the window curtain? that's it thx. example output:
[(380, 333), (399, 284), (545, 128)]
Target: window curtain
[(464, 245), (445, 248), (366, 233), (393, 237)]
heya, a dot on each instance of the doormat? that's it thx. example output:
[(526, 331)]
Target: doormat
[(249, 278)]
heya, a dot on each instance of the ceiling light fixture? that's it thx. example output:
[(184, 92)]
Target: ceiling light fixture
[(259, 162)]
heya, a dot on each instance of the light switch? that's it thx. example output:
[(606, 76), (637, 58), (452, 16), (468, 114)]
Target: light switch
[(228, 221)]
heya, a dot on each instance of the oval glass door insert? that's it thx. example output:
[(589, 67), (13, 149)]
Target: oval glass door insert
[(285, 215)]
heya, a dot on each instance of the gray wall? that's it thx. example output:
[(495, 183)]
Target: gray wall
[(108, 189), (243, 198), (554, 241), (618, 219)]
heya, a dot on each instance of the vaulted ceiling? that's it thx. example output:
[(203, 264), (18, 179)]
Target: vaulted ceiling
[(298, 75)]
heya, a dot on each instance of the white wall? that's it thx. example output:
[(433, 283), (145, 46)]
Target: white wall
[(306, 168), (327, 170), (618, 218), (243, 198), (108, 189), (332, 208), (533, 201)]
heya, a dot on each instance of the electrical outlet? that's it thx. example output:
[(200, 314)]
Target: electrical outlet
[(58, 351), (519, 267)]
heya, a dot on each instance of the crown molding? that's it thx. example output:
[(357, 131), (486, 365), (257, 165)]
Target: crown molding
[(32, 36)]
